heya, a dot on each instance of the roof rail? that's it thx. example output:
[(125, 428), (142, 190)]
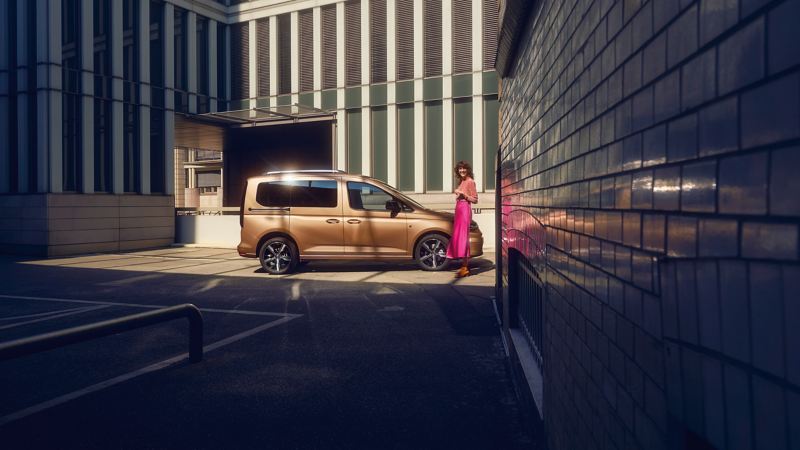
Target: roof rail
[(306, 171)]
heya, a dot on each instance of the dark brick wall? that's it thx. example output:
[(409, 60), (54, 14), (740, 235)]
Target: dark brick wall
[(658, 143)]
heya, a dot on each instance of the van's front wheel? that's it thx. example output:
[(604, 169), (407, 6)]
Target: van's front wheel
[(278, 256), (430, 252)]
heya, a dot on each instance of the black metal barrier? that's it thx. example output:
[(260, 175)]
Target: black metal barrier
[(49, 341)]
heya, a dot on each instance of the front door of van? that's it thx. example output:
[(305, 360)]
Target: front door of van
[(369, 228), (316, 211)]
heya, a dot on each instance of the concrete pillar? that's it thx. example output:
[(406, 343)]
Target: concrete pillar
[(477, 90), (419, 107), (212, 65), (366, 116), (227, 66), (191, 59), (447, 94), (341, 125), (391, 109), (145, 95), (5, 114), (169, 90), (252, 52), (23, 92), (87, 96), (117, 107), (48, 96)]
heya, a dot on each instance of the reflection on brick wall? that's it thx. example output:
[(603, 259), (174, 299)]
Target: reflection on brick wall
[(658, 142)]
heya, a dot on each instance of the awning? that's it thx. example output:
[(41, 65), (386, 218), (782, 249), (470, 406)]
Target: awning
[(207, 131)]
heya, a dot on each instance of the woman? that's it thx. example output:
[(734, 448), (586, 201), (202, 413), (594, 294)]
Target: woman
[(466, 194)]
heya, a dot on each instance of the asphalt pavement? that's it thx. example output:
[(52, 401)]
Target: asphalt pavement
[(337, 356)]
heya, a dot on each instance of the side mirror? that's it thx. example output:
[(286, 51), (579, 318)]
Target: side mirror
[(393, 206)]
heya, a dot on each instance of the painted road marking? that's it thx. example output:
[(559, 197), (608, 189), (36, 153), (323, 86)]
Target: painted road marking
[(55, 316), (41, 314), (136, 373)]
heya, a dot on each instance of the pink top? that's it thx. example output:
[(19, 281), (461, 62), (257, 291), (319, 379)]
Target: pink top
[(467, 188)]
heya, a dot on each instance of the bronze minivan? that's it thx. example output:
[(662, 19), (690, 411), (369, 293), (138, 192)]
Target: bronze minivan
[(289, 217)]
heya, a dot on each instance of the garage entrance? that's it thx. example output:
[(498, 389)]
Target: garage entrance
[(215, 153)]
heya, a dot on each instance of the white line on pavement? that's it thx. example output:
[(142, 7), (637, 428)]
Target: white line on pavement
[(56, 316), (130, 375), (41, 314)]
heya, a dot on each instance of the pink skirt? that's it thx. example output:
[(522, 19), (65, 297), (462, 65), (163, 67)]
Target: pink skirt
[(459, 242)]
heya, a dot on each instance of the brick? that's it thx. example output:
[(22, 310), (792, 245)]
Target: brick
[(716, 16), (632, 152), (642, 109), (642, 25), (741, 58), (632, 229), (718, 238), (682, 37), (615, 19), (642, 190), (718, 130), (698, 80), (685, 282), (622, 189), (655, 58), (782, 30), (654, 146), (674, 380), (681, 237), (750, 6), (633, 74), (615, 87), (608, 193), (682, 138), (743, 184), (615, 226), (693, 390), (653, 226), (651, 314), (737, 407), (766, 320), (771, 113), (734, 310), (769, 414), (666, 188), (698, 187), (615, 157), (791, 304), (714, 402), (625, 341), (667, 97), (663, 12), (607, 250), (793, 416), (623, 43), (784, 182), (708, 306), (769, 241)]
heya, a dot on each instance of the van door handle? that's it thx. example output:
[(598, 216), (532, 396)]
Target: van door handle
[(332, 221), (354, 221)]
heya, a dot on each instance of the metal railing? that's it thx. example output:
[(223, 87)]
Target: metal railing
[(56, 339)]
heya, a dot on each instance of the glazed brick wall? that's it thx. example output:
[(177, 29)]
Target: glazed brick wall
[(655, 146)]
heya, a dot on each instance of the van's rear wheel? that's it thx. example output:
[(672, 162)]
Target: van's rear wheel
[(431, 252), (278, 256)]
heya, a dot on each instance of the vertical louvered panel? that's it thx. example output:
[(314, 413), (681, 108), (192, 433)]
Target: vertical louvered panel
[(328, 47), (433, 37), (462, 36), (305, 40), (490, 12), (377, 40), (284, 54), (352, 45), (262, 49), (240, 72), (405, 39)]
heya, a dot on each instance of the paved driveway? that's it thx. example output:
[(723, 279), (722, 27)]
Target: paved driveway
[(338, 355)]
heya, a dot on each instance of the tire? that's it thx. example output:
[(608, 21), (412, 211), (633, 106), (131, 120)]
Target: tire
[(430, 252), (278, 256)]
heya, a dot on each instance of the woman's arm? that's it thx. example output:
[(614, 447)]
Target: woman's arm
[(470, 191)]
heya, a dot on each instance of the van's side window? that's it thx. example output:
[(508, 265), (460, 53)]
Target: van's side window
[(366, 196), (299, 193)]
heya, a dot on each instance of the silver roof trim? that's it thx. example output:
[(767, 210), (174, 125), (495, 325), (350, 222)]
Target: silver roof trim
[(306, 171)]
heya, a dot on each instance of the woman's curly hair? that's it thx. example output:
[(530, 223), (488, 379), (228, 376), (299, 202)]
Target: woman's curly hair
[(465, 165)]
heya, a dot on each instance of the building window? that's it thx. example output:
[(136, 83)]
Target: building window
[(490, 12), (202, 51), (284, 54), (462, 36), (262, 53), (222, 65), (329, 58), (102, 96), (181, 61), (305, 37), (377, 41), (71, 105), (432, 37), (352, 44), (157, 161), (405, 39), (240, 61)]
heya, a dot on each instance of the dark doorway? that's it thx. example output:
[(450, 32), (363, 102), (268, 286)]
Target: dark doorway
[(254, 151)]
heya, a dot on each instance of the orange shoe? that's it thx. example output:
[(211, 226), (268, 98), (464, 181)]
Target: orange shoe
[(462, 272)]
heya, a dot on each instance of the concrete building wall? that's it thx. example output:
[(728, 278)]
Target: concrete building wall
[(649, 156)]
